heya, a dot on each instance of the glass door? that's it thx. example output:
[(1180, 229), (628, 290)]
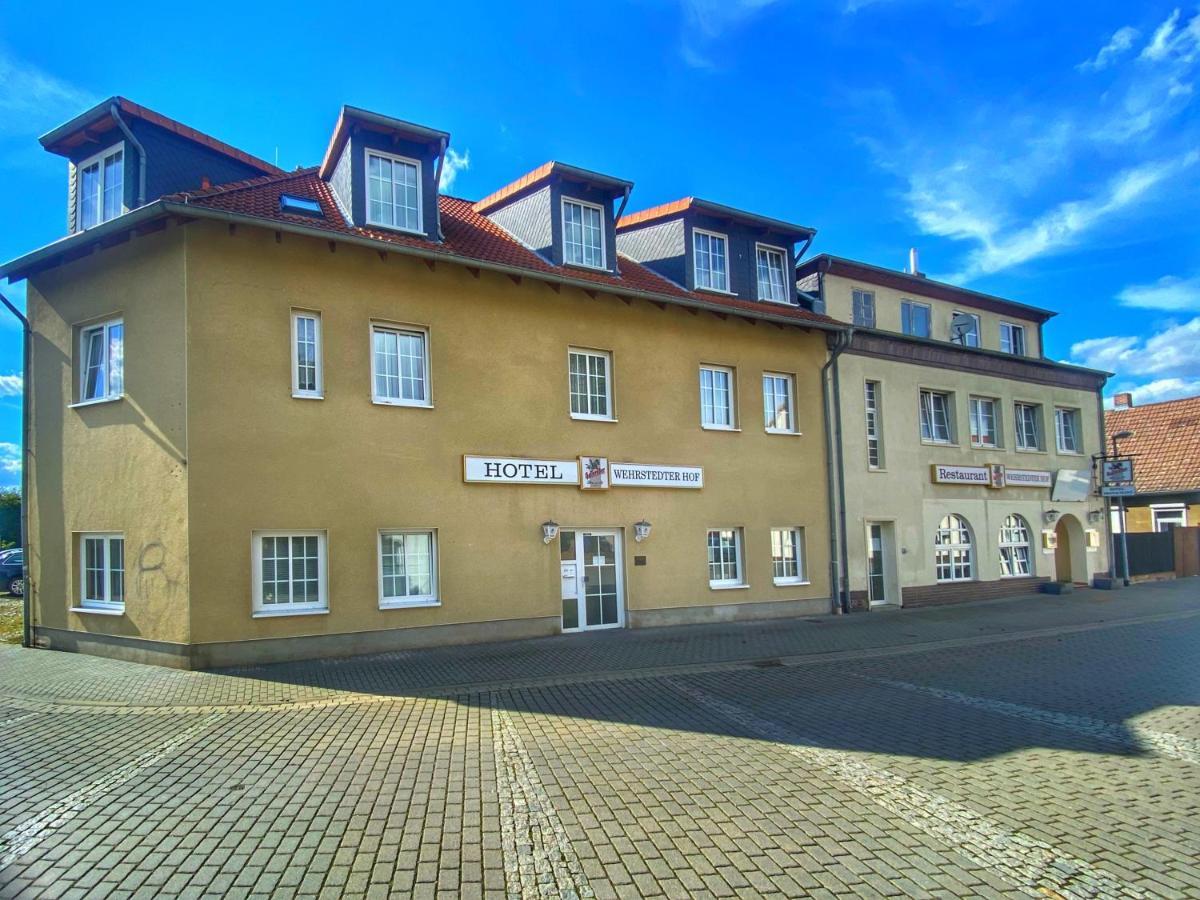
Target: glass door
[(592, 595), (876, 579)]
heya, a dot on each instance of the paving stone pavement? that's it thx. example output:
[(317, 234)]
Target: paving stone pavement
[(1033, 747)]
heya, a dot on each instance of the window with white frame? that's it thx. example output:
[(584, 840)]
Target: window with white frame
[(1014, 547), (399, 366), (863, 308), (716, 397), (915, 318), (1012, 338), (100, 187), (591, 384), (307, 378), (102, 571), (873, 400), (1066, 430), (1165, 516), (935, 417), (772, 281), (779, 415), (787, 555), (1028, 426), (725, 557), (710, 260), (102, 361), (393, 191), (983, 422), (408, 568), (289, 572), (583, 234), (953, 550), (964, 329)]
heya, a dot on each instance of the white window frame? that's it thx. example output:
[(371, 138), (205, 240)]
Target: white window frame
[(873, 409), (796, 534), (105, 603), (603, 236), (1167, 513), (109, 394), (409, 600), (982, 442), (368, 152), (732, 407), (318, 392), (739, 579), (978, 330), (769, 250), (789, 382), (1038, 429), (1007, 330), (608, 384), (1076, 419), (100, 158), (724, 239), (948, 415), (408, 331), (1011, 529), (915, 304), (955, 552), (259, 609), (865, 305)]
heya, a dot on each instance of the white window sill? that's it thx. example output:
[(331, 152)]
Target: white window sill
[(728, 587), (975, 446), (1030, 450), (581, 418), (1070, 453), (878, 470), (720, 428), (98, 611), (96, 402), (777, 302), (407, 403), (929, 443), (785, 433), (712, 290), (279, 613), (418, 232), (299, 396), (408, 604), (790, 582), (585, 266)]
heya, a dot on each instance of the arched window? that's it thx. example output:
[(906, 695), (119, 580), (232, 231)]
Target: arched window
[(952, 550), (1014, 548)]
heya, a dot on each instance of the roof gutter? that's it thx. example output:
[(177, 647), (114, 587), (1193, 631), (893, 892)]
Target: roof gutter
[(616, 219), (137, 145), (26, 593), (437, 185)]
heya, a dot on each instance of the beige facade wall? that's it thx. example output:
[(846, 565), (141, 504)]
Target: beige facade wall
[(902, 494), (117, 466), (261, 459), (840, 305)]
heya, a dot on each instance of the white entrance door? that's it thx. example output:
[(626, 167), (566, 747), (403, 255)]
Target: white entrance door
[(592, 592), (877, 546)]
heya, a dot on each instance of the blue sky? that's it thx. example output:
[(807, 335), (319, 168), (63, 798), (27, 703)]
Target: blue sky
[(1047, 152)]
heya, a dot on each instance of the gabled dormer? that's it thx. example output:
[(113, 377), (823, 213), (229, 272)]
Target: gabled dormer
[(384, 172), (563, 213), (704, 246), (121, 156)]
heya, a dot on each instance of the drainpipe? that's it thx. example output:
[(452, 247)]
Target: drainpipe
[(836, 496), (1109, 533), (437, 188), (26, 603), (137, 145), (616, 219)]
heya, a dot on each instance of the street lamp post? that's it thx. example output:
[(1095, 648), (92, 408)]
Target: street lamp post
[(1120, 436)]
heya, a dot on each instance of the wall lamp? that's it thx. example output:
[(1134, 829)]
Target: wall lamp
[(1049, 516), (641, 530), (549, 531), (1095, 515)]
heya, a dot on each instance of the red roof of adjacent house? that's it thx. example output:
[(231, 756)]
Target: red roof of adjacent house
[(1165, 444), (468, 236)]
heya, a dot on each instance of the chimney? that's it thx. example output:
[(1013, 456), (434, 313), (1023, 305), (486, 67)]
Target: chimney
[(205, 184), (1123, 401), (914, 266)]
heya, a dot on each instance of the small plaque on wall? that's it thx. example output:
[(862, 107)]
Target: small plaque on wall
[(639, 560)]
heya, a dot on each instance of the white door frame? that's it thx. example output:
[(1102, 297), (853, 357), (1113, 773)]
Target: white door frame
[(581, 566), (888, 562)]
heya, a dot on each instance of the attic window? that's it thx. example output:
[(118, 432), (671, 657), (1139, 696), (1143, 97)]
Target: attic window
[(300, 206)]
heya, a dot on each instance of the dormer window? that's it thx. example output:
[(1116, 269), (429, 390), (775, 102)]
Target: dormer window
[(711, 260), (393, 191), (583, 234), (771, 266), (100, 183)]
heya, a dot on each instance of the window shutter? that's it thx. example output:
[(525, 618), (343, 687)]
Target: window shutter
[(71, 204)]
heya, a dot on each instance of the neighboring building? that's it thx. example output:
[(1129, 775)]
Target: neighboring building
[(1165, 446), (966, 455), (330, 411)]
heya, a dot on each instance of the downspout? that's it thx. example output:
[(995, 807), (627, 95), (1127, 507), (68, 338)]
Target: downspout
[(437, 188), (835, 496), (26, 602), (1111, 543), (841, 475), (137, 145), (616, 219)]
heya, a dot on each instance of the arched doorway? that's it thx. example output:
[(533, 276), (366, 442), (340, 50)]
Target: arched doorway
[(1070, 556)]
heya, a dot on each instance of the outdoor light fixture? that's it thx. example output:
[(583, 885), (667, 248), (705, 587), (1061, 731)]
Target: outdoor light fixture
[(1050, 515), (1095, 515), (549, 531), (641, 530)]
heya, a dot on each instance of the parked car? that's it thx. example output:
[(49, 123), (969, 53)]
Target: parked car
[(12, 572)]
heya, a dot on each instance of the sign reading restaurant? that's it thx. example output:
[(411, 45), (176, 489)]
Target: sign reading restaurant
[(598, 471), (992, 476)]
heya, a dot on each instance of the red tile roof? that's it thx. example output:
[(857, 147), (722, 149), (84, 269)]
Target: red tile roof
[(661, 211), (707, 207), (468, 236), (1165, 444), (543, 173)]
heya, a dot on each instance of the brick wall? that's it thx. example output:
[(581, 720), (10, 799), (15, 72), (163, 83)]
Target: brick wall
[(959, 592)]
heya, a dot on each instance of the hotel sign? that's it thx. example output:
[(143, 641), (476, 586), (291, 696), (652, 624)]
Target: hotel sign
[(586, 472), (991, 476), (643, 475), (512, 470)]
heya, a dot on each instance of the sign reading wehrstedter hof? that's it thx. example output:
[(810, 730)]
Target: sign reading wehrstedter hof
[(1027, 478), (993, 476), (645, 475), (587, 472)]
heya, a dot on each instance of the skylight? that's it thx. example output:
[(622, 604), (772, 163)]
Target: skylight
[(300, 206)]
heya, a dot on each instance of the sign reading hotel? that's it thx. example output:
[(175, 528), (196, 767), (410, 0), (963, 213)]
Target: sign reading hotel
[(993, 476), (589, 473)]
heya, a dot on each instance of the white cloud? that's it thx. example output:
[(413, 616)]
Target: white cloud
[(1172, 42), (1117, 45), (1170, 353), (705, 21), (10, 385), (454, 164), (10, 458), (32, 99), (1169, 293), (1159, 390)]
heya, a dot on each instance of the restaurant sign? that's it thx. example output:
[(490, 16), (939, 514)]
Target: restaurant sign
[(586, 472), (990, 476)]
